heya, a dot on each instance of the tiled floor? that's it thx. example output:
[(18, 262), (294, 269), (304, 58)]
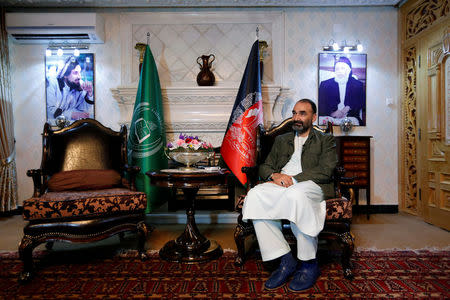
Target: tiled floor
[(382, 231)]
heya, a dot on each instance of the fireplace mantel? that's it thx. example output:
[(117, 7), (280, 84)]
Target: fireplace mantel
[(204, 111)]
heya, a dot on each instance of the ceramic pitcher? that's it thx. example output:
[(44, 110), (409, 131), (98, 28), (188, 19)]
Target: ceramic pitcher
[(205, 77)]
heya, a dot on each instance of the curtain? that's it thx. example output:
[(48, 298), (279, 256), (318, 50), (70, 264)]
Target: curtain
[(8, 177)]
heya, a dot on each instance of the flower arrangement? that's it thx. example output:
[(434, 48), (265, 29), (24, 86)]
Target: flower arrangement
[(189, 143)]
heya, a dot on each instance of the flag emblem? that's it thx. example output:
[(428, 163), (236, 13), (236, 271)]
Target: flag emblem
[(239, 143), (147, 136)]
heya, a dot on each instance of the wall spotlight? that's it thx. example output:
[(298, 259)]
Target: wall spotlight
[(48, 52), (59, 52), (333, 46), (359, 46)]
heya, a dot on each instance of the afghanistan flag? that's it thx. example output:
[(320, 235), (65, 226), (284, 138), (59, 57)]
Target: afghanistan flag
[(239, 143), (147, 137)]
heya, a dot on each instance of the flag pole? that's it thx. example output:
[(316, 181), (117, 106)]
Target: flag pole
[(239, 143), (147, 138), (257, 32)]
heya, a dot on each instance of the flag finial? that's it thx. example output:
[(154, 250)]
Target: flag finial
[(257, 32), (148, 38)]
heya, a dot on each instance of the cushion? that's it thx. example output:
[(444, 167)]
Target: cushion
[(84, 180), (91, 203), (337, 208)]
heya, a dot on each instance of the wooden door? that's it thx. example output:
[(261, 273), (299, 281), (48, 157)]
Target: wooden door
[(433, 106)]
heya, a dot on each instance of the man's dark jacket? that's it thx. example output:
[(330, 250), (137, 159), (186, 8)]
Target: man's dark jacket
[(319, 159)]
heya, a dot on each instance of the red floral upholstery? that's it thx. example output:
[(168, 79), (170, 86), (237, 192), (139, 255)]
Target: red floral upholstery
[(337, 208), (55, 205)]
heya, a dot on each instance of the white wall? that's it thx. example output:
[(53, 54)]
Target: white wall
[(306, 31), (310, 28)]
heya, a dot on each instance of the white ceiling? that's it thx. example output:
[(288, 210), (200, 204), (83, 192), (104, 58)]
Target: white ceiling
[(191, 3)]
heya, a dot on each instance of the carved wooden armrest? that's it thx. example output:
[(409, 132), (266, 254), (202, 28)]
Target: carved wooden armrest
[(341, 179), (252, 174), (132, 171), (36, 175), (342, 182)]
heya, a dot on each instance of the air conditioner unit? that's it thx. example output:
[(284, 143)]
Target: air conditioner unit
[(42, 28)]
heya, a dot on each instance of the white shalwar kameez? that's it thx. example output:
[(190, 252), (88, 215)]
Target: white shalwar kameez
[(301, 203)]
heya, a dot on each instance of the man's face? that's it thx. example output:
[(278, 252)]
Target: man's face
[(74, 77), (303, 117), (342, 70)]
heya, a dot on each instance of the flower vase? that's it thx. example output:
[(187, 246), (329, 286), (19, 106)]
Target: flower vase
[(188, 158)]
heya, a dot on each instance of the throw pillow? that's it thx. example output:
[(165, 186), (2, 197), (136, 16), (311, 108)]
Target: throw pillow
[(84, 180)]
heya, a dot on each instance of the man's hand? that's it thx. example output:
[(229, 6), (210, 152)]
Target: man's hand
[(282, 179), (340, 113), (88, 87)]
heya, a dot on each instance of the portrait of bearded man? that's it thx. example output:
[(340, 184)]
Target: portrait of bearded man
[(68, 95), (342, 96)]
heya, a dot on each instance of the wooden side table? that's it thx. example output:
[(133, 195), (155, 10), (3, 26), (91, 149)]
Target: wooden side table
[(191, 246), (354, 155)]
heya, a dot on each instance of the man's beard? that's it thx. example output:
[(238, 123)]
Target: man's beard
[(340, 79), (301, 127), (73, 85)]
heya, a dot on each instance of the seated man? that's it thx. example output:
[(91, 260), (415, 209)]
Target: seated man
[(299, 167)]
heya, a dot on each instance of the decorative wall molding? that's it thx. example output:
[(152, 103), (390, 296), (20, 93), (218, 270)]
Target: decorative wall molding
[(435, 152), (434, 56), (177, 39), (197, 3), (200, 96), (197, 127), (203, 110), (425, 14), (409, 141)]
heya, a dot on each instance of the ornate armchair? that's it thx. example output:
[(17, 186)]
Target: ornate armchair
[(80, 194), (339, 209)]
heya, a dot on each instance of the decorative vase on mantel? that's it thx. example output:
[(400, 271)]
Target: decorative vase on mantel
[(206, 76)]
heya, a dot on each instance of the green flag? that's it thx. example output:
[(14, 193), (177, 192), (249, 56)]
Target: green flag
[(147, 137)]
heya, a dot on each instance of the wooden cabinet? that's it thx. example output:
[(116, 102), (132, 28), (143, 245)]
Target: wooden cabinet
[(354, 156)]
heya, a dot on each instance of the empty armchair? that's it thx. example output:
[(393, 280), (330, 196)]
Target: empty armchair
[(80, 194)]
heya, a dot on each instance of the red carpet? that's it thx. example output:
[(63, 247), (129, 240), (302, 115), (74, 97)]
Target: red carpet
[(399, 274)]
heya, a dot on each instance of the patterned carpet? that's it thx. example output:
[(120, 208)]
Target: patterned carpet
[(103, 275)]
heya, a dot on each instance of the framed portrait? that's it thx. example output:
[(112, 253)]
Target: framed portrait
[(69, 83), (342, 88)]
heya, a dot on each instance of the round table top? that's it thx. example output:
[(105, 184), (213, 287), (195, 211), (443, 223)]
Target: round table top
[(194, 179)]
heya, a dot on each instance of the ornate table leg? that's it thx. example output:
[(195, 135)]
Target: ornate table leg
[(191, 246)]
